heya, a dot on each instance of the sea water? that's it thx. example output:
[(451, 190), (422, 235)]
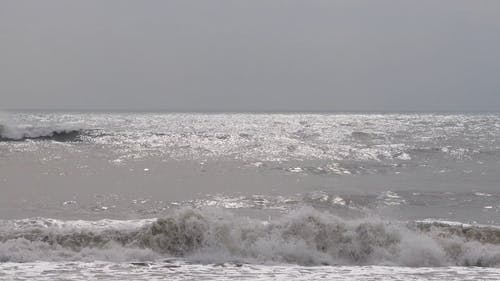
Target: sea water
[(187, 196)]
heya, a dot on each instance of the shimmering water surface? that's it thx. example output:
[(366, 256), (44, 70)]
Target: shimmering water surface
[(249, 196)]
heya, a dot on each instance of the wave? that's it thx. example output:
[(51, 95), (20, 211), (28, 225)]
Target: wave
[(20, 133), (305, 236)]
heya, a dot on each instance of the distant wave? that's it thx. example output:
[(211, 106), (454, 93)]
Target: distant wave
[(305, 236), (20, 133), (375, 142)]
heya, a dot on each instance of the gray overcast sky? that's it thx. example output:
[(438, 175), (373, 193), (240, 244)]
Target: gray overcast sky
[(255, 55)]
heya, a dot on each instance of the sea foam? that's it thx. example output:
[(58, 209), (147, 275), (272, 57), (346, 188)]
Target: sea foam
[(305, 237)]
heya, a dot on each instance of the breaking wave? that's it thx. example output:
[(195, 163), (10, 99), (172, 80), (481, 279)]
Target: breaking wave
[(305, 236), (20, 133)]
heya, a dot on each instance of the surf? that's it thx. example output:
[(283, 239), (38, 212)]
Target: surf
[(305, 237), (22, 133)]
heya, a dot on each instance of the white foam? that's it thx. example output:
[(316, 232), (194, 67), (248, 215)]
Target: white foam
[(305, 236), (180, 270)]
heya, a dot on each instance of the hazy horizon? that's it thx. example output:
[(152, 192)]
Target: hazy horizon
[(250, 56), (167, 111)]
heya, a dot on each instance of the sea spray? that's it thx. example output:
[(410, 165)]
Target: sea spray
[(305, 236)]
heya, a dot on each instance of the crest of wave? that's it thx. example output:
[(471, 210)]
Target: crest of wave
[(305, 236), (11, 130), (310, 237)]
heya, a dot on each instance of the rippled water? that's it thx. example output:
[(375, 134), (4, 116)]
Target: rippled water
[(272, 137), (245, 196)]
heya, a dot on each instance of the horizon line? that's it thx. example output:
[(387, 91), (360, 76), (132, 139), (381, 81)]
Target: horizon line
[(158, 110)]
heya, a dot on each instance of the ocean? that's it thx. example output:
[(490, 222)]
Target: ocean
[(241, 196)]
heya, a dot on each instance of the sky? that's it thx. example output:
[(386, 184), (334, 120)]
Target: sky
[(250, 55)]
